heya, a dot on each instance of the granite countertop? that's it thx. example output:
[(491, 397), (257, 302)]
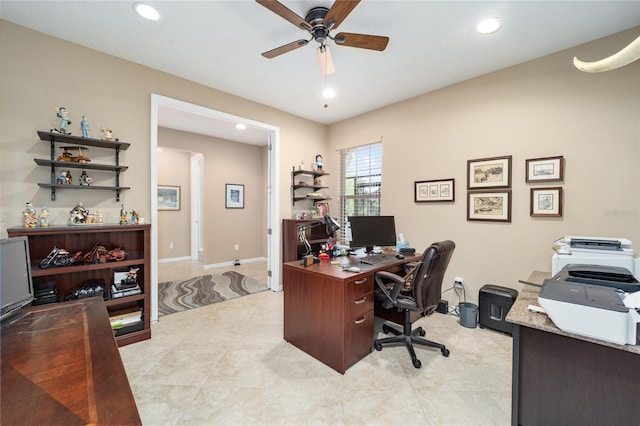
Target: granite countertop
[(521, 315)]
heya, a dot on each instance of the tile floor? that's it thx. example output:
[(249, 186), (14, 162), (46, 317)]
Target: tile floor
[(227, 364)]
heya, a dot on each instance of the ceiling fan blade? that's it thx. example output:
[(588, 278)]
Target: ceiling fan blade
[(283, 11), (338, 12), (284, 49), (363, 41)]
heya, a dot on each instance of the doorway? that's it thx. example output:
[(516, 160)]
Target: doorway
[(187, 111)]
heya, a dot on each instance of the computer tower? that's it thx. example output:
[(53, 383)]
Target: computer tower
[(495, 303)]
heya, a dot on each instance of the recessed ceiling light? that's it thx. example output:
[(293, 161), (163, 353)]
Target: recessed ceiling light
[(241, 126), (147, 11), (328, 92), (488, 26)]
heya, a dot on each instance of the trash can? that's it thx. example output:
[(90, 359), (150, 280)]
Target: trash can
[(468, 314)]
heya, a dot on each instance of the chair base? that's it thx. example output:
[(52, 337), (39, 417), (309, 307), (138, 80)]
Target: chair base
[(409, 337)]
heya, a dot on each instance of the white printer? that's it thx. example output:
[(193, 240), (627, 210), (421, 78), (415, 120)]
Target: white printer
[(594, 251)]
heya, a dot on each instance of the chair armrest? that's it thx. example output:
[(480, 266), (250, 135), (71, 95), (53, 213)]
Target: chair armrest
[(398, 283)]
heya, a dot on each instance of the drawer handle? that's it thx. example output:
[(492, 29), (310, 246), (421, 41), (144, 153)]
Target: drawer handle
[(361, 319), (362, 281), (360, 301)]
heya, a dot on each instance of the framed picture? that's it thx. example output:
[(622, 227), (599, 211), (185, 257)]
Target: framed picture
[(235, 196), (434, 190), (549, 169), (168, 197), (546, 202), (494, 206), (489, 173)]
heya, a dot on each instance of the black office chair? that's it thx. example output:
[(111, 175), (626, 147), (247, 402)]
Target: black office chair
[(422, 291)]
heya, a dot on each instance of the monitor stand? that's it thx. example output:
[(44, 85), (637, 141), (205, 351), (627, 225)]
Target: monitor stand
[(369, 250)]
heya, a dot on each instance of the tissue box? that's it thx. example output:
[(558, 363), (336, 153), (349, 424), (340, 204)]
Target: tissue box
[(401, 245)]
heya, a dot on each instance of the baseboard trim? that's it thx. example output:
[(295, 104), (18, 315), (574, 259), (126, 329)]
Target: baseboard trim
[(174, 259), (250, 260)]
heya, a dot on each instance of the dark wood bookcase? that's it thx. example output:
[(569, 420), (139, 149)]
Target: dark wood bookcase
[(134, 239), (292, 247)]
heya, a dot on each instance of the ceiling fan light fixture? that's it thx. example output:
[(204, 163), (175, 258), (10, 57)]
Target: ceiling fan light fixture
[(325, 60), (146, 11), (489, 25)]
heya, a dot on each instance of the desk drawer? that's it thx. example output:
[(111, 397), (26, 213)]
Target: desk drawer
[(359, 306), (358, 287), (358, 338)]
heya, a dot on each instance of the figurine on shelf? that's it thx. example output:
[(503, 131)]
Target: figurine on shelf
[(301, 165), (78, 214), (123, 215), (64, 178), (61, 112), (85, 180), (107, 134), (29, 216), (44, 216), (99, 216), (135, 216), (84, 126), (319, 164)]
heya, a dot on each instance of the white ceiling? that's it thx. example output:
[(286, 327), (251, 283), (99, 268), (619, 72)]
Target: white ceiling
[(433, 44)]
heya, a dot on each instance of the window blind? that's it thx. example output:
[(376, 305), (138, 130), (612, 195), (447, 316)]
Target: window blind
[(360, 184)]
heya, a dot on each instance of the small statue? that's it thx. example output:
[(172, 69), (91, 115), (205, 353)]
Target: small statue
[(319, 164), (44, 216), (85, 180), (78, 214), (61, 112), (134, 216), (99, 216), (84, 126), (123, 215), (301, 165), (64, 177), (107, 134), (29, 216)]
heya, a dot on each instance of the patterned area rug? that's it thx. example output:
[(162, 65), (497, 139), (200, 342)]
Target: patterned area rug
[(177, 296)]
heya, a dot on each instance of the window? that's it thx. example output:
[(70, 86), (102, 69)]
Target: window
[(360, 184)]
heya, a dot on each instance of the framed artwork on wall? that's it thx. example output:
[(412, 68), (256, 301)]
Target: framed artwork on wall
[(546, 202), (434, 190), (491, 206), (168, 197), (234, 196), (549, 169), (489, 173)]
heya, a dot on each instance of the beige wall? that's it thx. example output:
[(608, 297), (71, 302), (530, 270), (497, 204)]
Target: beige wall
[(538, 109), (38, 73), (174, 227), (224, 162)]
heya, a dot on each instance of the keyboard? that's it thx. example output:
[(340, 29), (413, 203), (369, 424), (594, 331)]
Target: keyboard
[(377, 259)]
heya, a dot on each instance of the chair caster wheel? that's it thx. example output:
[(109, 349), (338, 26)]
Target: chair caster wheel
[(416, 363), (445, 352), (378, 346), (423, 333), (385, 329)]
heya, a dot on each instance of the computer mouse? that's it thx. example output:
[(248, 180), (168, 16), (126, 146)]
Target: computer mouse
[(400, 256), (353, 269)]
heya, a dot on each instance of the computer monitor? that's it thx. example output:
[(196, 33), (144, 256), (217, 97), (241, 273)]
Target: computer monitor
[(16, 285), (370, 231)]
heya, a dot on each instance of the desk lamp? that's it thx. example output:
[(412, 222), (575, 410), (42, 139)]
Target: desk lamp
[(331, 226)]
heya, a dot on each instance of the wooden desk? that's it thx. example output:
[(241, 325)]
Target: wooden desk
[(561, 378), (61, 365), (328, 312)]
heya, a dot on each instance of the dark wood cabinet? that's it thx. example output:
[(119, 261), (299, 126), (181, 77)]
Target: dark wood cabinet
[(292, 247), (134, 239), (53, 163)]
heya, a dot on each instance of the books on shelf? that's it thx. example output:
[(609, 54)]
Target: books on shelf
[(125, 317), (117, 293)]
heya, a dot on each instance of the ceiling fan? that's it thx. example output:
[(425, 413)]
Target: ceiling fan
[(319, 22)]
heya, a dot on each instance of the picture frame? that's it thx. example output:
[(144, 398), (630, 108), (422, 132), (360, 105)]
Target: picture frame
[(234, 198), (485, 173), (168, 197), (548, 169), (489, 206), (427, 191), (546, 202)]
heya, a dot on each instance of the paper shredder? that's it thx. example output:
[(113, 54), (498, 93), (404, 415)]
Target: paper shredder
[(495, 303)]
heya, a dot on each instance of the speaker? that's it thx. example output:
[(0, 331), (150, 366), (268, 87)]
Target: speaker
[(495, 303)]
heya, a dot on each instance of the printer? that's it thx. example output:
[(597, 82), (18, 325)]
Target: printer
[(594, 251), (590, 310)]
